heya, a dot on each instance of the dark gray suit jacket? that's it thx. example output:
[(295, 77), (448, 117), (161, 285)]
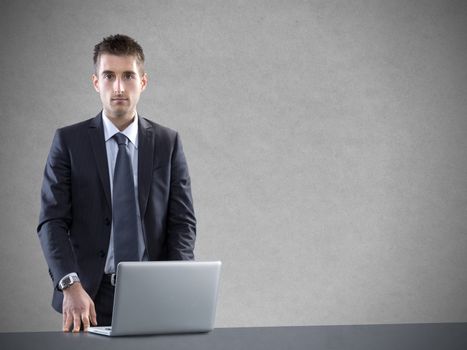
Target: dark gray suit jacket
[(76, 210)]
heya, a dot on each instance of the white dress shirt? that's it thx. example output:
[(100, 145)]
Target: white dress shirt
[(111, 145)]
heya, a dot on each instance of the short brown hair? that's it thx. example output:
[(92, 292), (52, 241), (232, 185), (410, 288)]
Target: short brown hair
[(119, 45)]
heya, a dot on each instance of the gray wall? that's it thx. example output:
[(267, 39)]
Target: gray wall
[(327, 143)]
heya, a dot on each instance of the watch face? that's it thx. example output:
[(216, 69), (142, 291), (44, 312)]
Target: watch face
[(68, 281)]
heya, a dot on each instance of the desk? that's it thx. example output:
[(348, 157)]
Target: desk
[(449, 336)]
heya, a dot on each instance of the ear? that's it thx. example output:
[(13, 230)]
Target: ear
[(95, 82), (144, 81)]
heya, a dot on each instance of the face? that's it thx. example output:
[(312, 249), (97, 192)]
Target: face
[(119, 82)]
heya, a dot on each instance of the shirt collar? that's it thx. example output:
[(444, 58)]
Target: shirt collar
[(131, 130)]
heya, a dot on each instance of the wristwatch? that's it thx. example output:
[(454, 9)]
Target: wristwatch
[(68, 281)]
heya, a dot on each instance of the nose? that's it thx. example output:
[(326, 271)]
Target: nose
[(118, 86)]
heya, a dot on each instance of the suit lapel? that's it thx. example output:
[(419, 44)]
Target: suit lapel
[(96, 133), (145, 162)]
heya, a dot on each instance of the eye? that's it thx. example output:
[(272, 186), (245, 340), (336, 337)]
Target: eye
[(108, 76), (128, 76)]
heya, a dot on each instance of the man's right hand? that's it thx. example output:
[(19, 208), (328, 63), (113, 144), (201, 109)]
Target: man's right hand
[(78, 308)]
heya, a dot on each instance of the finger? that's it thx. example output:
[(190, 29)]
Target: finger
[(93, 315), (85, 319), (76, 322), (67, 321)]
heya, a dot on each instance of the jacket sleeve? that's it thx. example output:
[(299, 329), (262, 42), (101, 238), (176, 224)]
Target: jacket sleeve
[(181, 221), (56, 211)]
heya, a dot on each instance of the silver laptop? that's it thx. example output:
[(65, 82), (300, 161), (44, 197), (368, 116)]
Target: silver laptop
[(164, 297)]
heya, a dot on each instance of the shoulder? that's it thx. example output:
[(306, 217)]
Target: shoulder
[(79, 127), (160, 131), (73, 135)]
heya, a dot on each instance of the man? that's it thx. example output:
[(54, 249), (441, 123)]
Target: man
[(116, 188)]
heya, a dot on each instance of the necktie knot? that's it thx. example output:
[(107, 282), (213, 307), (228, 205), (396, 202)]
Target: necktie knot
[(121, 139)]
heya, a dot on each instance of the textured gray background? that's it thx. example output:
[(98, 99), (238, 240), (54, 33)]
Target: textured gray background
[(327, 143)]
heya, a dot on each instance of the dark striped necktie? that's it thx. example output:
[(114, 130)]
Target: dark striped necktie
[(125, 229)]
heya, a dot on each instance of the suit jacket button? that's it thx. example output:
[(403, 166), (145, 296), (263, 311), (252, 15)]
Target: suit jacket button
[(102, 253), (107, 221)]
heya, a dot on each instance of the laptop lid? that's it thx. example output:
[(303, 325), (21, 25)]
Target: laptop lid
[(165, 297)]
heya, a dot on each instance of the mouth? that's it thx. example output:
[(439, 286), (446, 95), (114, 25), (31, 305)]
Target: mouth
[(119, 100)]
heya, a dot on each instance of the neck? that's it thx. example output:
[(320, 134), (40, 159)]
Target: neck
[(121, 122)]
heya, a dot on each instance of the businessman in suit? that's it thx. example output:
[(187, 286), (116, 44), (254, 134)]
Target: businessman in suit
[(116, 188)]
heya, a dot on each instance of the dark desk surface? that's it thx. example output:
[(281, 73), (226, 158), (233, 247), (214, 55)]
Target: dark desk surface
[(376, 337)]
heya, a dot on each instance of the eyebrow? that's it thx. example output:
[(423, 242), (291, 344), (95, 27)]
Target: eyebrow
[(111, 72)]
